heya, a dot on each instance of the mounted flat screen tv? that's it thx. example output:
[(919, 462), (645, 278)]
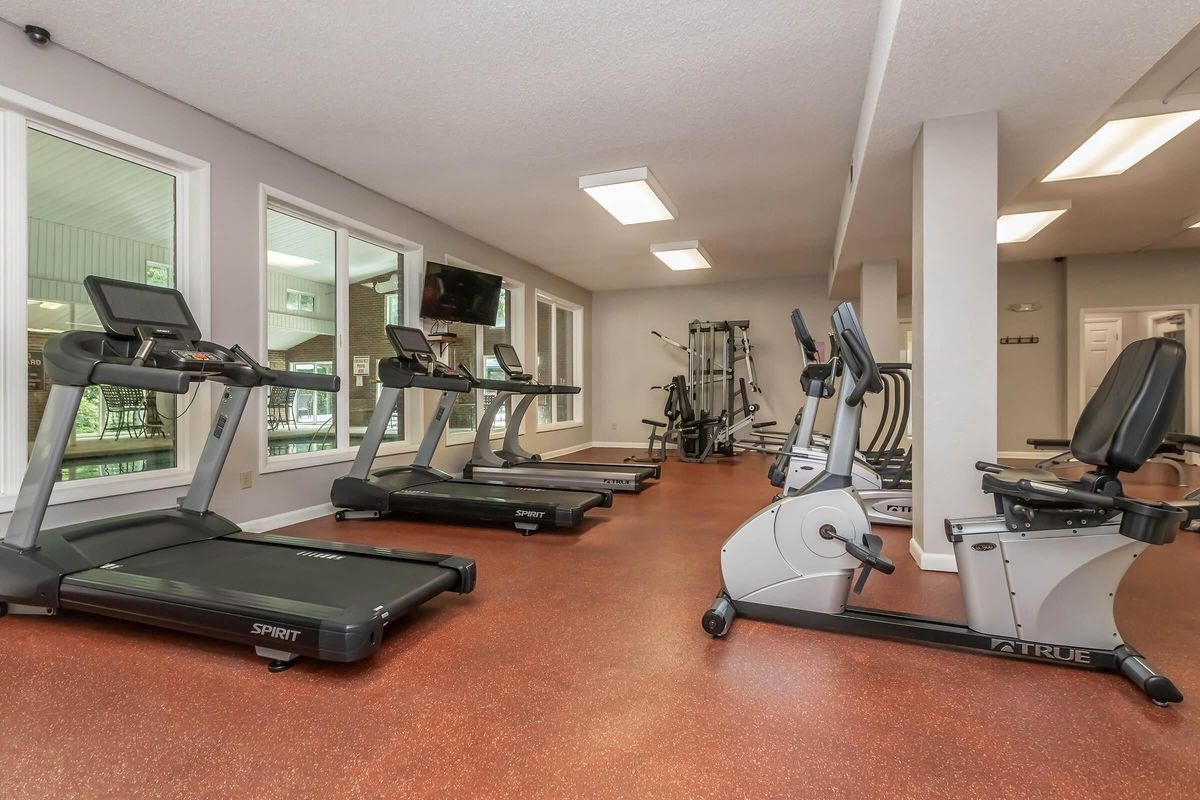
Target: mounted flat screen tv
[(455, 294)]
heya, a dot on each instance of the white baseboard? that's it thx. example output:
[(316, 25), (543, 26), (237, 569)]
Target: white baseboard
[(934, 562), (1028, 455), (628, 445), (287, 518), (566, 451)]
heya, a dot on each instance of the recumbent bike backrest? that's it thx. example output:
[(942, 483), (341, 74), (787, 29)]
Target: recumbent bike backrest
[(1129, 415)]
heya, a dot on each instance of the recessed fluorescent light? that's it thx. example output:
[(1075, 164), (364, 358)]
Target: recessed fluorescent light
[(1121, 143), (630, 195), (1022, 224), (681, 255), (50, 305), (286, 260)]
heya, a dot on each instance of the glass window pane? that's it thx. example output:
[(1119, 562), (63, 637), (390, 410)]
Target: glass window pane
[(564, 359), (462, 351), (301, 257), (500, 333), (545, 358), (91, 213), (376, 297)]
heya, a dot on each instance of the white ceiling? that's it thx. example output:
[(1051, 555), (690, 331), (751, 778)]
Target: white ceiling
[(1144, 207), (1051, 69), (484, 114)]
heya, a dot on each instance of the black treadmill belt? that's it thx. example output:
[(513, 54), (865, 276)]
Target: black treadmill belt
[(579, 466), (316, 584), (506, 494)]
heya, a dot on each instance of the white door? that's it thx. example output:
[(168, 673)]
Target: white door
[(1101, 346)]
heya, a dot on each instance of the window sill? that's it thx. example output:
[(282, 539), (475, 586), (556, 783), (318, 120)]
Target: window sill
[(94, 488), (324, 457), (559, 426)]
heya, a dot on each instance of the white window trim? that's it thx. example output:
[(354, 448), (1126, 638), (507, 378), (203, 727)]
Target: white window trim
[(18, 112), (344, 228), (517, 311), (577, 310)]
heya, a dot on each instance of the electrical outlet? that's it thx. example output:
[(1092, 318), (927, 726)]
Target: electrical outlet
[(614, 426), (247, 479)]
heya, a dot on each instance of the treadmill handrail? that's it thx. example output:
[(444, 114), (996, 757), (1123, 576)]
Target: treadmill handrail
[(289, 379), (151, 379)]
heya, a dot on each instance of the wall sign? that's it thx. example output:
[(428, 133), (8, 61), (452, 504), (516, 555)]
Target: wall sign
[(362, 365), (37, 375)]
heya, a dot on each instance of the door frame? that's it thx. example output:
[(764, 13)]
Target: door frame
[(1191, 313)]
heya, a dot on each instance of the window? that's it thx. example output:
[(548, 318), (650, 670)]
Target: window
[(159, 274), (331, 287), (559, 359), (94, 213), (77, 199), (474, 349), (301, 264), (376, 299), (301, 301)]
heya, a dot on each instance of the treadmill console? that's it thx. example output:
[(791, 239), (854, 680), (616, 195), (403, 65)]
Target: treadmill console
[(156, 317), (510, 362), (413, 348)]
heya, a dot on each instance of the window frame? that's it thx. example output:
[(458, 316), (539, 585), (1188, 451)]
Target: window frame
[(516, 310), (344, 228), (577, 312), (18, 114)]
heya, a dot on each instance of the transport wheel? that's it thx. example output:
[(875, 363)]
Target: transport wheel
[(340, 516), (719, 617)]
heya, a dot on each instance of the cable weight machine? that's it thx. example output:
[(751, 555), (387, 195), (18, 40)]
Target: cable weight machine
[(714, 401)]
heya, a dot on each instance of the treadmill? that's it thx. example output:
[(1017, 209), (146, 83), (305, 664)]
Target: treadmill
[(186, 568), (515, 464), (419, 489)]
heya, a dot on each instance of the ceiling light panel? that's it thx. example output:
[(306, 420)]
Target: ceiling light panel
[(633, 196), (681, 256), (1022, 227), (1121, 143), (287, 260)]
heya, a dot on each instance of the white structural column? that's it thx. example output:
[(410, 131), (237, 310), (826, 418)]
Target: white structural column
[(877, 302), (954, 326)]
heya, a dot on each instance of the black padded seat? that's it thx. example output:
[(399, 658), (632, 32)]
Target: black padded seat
[(1127, 418)]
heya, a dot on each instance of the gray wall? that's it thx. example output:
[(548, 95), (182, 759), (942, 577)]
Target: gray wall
[(1031, 377), (1155, 278), (1039, 384), (240, 162), (627, 360)]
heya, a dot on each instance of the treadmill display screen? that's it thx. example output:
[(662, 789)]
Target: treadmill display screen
[(506, 354), (408, 340), (124, 306)]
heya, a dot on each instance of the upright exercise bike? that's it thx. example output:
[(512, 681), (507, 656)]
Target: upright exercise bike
[(882, 475), (1038, 578)]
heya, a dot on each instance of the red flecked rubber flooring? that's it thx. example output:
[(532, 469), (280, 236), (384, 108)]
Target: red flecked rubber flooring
[(578, 669)]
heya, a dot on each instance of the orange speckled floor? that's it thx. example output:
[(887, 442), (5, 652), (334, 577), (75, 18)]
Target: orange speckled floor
[(578, 669)]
